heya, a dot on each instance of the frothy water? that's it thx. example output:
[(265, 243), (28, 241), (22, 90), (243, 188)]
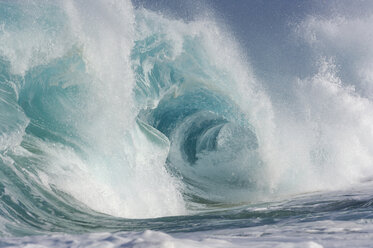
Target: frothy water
[(116, 119)]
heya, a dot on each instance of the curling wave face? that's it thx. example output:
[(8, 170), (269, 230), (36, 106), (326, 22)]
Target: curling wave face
[(130, 120)]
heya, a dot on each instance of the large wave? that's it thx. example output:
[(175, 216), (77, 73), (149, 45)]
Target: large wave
[(133, 114)]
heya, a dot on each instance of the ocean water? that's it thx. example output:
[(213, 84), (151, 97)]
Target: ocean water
[(197, 124)]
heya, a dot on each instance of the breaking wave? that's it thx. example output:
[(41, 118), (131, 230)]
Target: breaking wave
[(111, 110)]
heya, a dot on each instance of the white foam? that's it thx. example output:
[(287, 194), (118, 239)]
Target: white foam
[(45, 42), (349, 41)]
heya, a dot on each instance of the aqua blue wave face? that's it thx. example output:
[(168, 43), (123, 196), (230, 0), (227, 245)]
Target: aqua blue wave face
[(182, 131), (53, 97), (12, 119), (206, 128)]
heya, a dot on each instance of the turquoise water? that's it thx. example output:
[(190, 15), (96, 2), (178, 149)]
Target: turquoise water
[(121, 126)]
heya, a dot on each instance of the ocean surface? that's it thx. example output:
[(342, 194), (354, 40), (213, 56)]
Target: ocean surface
[(186, 124)]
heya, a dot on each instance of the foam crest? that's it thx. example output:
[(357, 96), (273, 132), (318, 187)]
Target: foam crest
[(341, 122), (126, 156), (42, 27), (349, 41)]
